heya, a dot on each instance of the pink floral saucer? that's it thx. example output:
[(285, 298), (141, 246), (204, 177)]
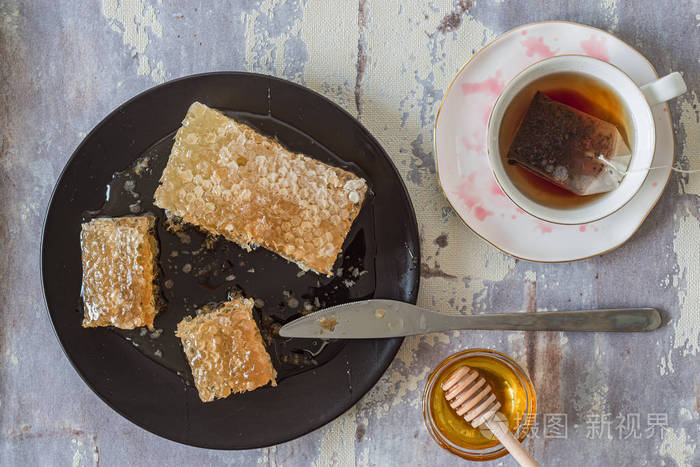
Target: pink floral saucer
[(460, 146)]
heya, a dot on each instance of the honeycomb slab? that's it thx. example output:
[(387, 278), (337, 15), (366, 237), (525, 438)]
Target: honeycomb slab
[(228, 179), (118, 257), (225, 350)]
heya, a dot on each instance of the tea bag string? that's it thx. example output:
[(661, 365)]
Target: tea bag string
[(625, 172)]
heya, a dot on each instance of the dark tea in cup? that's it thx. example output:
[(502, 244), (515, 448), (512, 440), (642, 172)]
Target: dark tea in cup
[(594, 87), (573, 144)]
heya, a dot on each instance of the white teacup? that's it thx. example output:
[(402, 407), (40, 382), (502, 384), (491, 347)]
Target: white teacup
[(641, 134)]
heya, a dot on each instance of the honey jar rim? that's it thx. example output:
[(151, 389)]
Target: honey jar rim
[(524, 426)]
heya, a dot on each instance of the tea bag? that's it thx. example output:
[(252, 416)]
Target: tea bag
[(570, 148)]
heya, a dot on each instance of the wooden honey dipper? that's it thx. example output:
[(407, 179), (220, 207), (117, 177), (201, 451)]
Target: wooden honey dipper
[(471, 397)]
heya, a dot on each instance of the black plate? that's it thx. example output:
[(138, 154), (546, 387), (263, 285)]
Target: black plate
[(146, 379)]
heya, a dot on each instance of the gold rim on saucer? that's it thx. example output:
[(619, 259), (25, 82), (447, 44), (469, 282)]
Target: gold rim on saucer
[(459, 72)]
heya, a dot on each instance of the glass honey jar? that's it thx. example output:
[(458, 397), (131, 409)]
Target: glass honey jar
[(512, 387)]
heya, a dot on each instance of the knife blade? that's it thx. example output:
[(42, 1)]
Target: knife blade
[(378, 318)]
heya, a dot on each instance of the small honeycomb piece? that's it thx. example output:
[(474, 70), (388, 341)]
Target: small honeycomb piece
[(118, 256), (227, 179), (225, 350)]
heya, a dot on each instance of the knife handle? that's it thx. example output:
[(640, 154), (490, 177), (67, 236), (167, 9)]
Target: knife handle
[(611, 320)]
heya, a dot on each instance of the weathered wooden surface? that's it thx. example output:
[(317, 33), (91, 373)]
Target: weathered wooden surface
[(64, 65)]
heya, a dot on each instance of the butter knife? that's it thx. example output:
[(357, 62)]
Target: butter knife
[(369, 319)]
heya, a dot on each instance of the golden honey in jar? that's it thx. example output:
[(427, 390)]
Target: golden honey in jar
[(512, 388)]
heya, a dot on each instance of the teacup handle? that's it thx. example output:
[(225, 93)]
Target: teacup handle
[(664, 89)]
